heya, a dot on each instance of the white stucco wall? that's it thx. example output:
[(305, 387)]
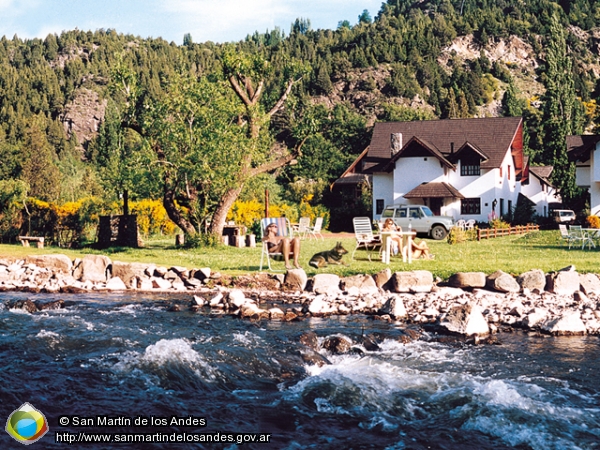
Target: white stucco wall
[(410, 172), (489, 185), (534, 192), (383, 188)]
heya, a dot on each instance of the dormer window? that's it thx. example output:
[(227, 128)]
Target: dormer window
[(470, 167)]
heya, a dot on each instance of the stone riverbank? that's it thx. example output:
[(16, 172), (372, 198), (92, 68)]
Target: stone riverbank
[(468, 303)]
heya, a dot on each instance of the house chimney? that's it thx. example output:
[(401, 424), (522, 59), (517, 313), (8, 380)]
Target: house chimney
[(396, 142)]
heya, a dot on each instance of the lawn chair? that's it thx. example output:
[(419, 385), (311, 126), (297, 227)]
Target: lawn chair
[(303, 227), (283, 229), (316, 229), (461, 224), (577, 236), (364, 236), (470, 224)]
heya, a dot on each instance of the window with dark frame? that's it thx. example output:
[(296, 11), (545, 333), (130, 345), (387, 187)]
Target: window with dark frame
[(470, 206), (379, 206), (470, 167)]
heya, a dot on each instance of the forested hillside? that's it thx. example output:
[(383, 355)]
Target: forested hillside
[(93, 114)]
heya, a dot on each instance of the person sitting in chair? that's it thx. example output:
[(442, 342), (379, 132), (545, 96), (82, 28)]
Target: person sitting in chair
[(390, 225), (419, 250), (283, 245)]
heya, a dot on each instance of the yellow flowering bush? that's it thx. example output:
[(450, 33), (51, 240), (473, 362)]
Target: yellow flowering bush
[(593, 221), (152, 218), (246, 213)]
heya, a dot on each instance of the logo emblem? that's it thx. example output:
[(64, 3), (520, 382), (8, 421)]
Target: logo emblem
[(26, 424)]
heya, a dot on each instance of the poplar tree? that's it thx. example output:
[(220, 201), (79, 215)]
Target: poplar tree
[(560, 110)]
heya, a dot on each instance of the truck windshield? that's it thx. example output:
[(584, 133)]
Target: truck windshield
[(427, 211)]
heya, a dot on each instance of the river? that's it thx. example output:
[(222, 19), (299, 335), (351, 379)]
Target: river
[(125, 357)]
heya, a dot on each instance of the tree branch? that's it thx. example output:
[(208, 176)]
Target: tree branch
[(238, 90), (283, 98), (279, 162)]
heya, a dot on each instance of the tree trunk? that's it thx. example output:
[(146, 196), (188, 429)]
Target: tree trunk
[(175, 214), (220, 215)]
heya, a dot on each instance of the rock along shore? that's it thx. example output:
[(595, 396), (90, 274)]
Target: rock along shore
[(468, 303)]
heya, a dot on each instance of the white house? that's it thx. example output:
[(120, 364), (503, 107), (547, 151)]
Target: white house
[(585, 151), (464, 168), (540, 190)]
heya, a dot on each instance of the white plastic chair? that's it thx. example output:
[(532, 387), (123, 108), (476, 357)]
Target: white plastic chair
[(316, 229), (470, 224), (461, 224), (364, 236), (303, 227)]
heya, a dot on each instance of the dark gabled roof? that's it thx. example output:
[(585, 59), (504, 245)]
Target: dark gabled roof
[(428, 147), (579, 147), (467, 147), (542, 173), (492, 136), (352, 174), (353, 178), (434, 190)]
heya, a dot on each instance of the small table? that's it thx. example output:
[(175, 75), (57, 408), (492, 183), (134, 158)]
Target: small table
[(387, 245)]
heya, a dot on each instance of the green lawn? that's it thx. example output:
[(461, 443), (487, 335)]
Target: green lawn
[(513, 254)]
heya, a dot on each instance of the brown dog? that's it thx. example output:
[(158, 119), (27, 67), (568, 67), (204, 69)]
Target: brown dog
[(333, 256)]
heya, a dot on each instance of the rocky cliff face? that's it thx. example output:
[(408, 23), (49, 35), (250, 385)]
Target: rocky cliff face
[(83, 115)]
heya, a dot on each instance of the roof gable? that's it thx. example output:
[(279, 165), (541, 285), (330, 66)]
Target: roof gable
[(418, 147), (579, 147)]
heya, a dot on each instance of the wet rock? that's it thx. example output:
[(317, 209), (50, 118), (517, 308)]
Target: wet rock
[(160, 283), (467, 280), (26, 305), (295, 279), (394, 306), (52, 305), (236, 298), (310, 339), (93, 268), (312, 357), (337, 345), (276, 313), (116, 284), (569, 323), (369, 342), (467, 320), (535, 317), (534, 279), (502, 282)]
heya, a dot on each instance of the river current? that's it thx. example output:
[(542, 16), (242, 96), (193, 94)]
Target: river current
[(124, 356)]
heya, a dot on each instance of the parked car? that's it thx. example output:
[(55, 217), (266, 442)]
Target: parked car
[(564, 216), (419, 218)]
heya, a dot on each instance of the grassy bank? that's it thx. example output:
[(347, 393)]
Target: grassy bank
[(513, 254)]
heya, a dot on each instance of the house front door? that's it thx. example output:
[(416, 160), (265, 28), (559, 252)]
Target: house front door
[(435, 204)]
